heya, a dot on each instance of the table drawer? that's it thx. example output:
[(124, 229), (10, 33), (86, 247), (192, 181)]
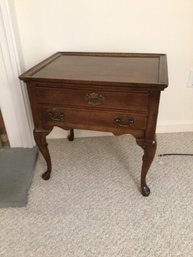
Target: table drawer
[(94, 99), (91, 119)]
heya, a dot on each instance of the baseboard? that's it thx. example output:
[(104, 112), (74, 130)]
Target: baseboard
[(173, 127), (60, 133), (164, 127)]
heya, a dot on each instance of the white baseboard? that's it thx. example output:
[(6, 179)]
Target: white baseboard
[(167, 127), (60, 133), (173, 127)]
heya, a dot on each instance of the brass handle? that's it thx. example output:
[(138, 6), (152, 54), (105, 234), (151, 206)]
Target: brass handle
[(124, 121), (94, 99), (55, 115)]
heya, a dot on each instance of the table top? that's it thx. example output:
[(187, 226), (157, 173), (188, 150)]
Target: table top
[(102, 68)]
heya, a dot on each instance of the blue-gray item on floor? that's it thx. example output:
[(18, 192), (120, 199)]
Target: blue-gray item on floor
[(16, 173)]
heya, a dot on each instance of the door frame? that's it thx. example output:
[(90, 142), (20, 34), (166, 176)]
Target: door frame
[(14, 102)]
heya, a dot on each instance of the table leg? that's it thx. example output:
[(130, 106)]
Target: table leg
[(40, 138), (149, 147), (71, 135)]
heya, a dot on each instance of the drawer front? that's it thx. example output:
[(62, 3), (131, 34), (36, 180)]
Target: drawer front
[(86, 119), (93, 99)]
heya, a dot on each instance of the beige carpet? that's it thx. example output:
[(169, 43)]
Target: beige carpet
[(92, 207)]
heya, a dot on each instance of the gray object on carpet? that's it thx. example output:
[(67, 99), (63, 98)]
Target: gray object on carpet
[(16, 173)]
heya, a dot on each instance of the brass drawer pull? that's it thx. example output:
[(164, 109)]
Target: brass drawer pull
[(94, 99), (55, 115), (124, 121)]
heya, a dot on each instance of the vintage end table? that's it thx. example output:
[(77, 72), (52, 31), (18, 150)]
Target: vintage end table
[(115, 92)]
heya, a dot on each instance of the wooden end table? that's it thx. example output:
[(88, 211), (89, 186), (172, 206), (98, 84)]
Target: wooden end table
[(114, 92)]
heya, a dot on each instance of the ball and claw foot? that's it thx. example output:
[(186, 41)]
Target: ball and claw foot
[(46, 175), (145, 191)]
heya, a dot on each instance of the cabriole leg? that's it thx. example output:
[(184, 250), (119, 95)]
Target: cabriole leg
[(40, 138), (149, 147)]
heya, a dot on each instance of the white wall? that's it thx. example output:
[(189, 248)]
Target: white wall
[(46, 26)]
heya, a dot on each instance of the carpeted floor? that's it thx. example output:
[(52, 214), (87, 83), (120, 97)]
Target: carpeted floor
[(92, 207)]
